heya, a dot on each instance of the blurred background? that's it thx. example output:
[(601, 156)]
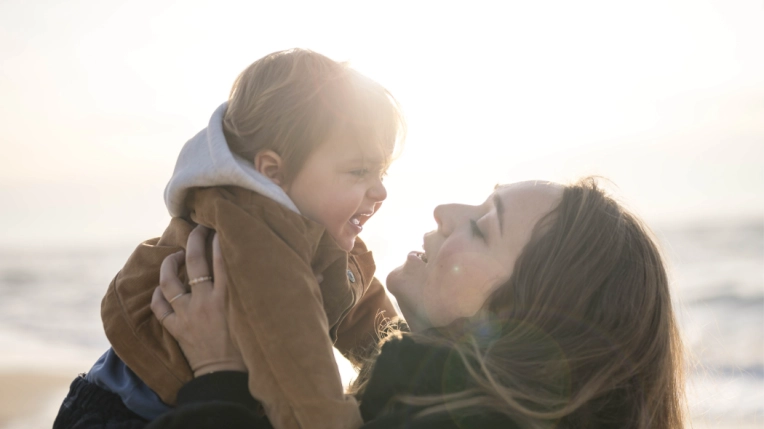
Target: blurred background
[(665, 98)]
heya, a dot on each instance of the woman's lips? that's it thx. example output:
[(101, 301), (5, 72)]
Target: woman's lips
[(416, 256)]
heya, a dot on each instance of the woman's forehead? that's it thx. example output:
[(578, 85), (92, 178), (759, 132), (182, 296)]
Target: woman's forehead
[(527, 189), (530, 199)]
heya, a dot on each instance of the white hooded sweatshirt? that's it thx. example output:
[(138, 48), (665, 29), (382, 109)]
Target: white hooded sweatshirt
[(206, 160)]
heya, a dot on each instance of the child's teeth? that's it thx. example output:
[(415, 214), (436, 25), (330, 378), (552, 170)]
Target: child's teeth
[(355, 221)]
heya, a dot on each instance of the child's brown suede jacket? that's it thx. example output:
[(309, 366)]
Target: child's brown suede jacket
[(280, 318)]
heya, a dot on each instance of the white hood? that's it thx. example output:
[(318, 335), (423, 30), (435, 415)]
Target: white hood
[(206, 160)]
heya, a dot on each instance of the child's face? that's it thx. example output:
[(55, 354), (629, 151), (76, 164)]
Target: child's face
[(340, 187)]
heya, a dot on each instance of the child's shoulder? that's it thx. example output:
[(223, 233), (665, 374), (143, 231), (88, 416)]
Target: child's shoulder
[(244, 214), (246, 199)]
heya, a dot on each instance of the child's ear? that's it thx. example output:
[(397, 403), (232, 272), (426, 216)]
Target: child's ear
[(270, 165)]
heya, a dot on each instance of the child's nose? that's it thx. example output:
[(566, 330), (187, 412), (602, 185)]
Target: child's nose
[(378, 192)]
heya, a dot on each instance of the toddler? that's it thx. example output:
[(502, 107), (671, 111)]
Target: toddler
[(287, 172)]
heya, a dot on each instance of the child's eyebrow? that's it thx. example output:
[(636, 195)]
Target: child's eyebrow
[(373, 160)]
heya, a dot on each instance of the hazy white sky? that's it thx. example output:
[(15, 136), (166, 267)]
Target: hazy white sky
[(666, 98)]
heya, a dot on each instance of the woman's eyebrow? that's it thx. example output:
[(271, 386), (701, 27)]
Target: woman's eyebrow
[(499, 211)]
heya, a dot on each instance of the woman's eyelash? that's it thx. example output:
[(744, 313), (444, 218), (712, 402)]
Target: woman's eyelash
[(475, 230)]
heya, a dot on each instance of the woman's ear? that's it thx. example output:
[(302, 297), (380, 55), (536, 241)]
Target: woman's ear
[(270, 165)]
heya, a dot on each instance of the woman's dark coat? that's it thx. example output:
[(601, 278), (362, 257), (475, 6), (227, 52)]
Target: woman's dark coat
[(403, 368)]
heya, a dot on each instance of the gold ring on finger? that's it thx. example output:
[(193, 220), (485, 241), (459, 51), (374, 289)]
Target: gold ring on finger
[(177, 296), (199, 280)]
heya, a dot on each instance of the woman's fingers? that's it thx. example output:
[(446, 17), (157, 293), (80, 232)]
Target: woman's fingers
[(196, 315), (163, 310), (170, 284), (199, 274), (218, 267)]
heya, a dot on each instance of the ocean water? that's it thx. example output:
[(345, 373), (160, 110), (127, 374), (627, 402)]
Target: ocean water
[(50, 298), (718, 275)]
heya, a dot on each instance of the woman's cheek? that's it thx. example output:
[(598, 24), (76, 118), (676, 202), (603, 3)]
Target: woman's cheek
[(451, 274), (437, 302), (464, 285)]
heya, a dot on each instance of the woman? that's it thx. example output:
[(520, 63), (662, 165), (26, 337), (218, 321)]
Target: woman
[(546, 306)]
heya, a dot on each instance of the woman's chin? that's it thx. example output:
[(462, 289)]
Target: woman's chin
[(410, 274), (402, 281), (399, 285), (393, 281)]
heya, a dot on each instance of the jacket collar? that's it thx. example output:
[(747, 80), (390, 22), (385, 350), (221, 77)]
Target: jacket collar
[(405, 367)]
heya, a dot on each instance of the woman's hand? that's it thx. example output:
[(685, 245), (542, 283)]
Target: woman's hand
[(195, 314)]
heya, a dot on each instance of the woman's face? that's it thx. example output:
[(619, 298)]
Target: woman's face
[(472, 252)]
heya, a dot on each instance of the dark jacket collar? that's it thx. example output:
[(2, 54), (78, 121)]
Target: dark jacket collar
[(405, 367)]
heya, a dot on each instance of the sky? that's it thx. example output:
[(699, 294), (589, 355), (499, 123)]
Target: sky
[(664, 98)]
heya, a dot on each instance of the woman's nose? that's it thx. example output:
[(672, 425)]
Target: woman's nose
[(448, 216)]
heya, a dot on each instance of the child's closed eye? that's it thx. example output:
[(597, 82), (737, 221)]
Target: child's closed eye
[(361, 172), (366, 173)]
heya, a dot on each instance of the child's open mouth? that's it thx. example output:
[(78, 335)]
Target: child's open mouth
[(358, 220)]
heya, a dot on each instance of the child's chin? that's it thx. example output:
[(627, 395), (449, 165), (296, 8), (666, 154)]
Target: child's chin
[(348, 244), (345, 242)]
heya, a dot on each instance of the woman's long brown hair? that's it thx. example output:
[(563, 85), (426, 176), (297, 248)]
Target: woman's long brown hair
[(582, 335)]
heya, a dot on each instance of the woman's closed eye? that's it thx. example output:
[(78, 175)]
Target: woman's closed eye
[(476, 232)]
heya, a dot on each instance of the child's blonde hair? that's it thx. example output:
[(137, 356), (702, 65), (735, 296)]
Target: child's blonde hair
[(292, 101)]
